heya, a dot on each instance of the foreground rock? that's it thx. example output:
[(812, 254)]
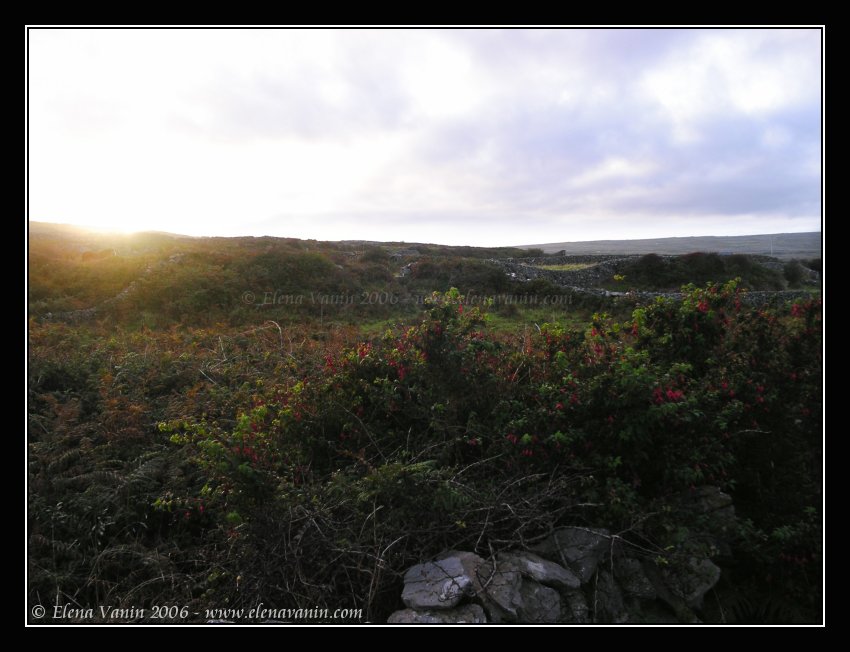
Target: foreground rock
[(581, 549), (542, 570), (436, 585), (513, 595), (692, 581), (468, 614), (574, 575)]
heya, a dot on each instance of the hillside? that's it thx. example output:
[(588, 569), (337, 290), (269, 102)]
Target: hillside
[(160, 278), (781, 245), (219, 423)]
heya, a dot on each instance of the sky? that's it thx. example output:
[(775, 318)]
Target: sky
[(474, 137)]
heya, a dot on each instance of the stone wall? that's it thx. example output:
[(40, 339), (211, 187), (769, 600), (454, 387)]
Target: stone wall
[(573, 575), (527, 269), (604, 267)]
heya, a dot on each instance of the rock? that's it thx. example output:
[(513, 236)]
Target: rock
[(541, 570), (524, 587), (682, 612), (692, 580), (436, 584), (472, 565), (714, 504), (719, 514), (509, 596), (633, 581), (538, 603), (576, 610), (579, 549), (608, 600), (707, 498), (501, 595), (469, 561), (652, 613), (471, 614)]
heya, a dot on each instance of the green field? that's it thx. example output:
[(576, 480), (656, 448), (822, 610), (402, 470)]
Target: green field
[(566, 267)]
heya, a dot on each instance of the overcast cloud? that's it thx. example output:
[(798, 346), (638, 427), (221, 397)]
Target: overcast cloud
[(488, 137)]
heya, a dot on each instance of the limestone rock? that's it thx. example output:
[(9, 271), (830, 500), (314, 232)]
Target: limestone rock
[(501, 595), (470, 614), (436, 584), (693, 580), (707, 498), (538, 603), (633, 580), (471, 563), (579, 549), (576, 610), (608, 600), (542, 570), (509, 596)]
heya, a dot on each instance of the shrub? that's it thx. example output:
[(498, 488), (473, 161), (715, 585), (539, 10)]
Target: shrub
[(439, 435)]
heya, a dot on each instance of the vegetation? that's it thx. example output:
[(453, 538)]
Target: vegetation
[(189, 447), (651, 271), (566, 267)]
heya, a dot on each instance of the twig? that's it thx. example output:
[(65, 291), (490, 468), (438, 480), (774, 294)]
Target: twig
[(365, 429), (466, 468)]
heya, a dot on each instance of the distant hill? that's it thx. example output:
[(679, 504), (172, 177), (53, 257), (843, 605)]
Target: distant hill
[(780, 245)]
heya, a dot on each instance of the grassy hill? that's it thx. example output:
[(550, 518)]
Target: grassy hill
[(223, 422), (780, 245), (156, 279)]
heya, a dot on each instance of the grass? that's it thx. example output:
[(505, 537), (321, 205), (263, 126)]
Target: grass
[(505, 321), (566, 267), (501, 323), (376, 328)]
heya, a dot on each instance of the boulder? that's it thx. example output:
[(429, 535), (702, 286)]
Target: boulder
[(633, 580), (579, 549), (436, 584), (538, 603), (717, 512), (541, 570), (576, 610), (510, 596), (707, 498), (501, 595), (608, 600), (692, 580), (660, 581), (468, 614), (470, 563)]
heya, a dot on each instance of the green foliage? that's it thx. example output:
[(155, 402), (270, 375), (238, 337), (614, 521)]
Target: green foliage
[(656, 272), (794, 273), (622, 415), (269, 461)]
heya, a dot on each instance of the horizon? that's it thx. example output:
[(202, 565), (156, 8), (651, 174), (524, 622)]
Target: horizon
[(399, 135), (111, 231)]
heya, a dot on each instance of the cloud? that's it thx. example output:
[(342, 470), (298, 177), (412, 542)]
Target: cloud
[(752, 73), (505, 136)]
